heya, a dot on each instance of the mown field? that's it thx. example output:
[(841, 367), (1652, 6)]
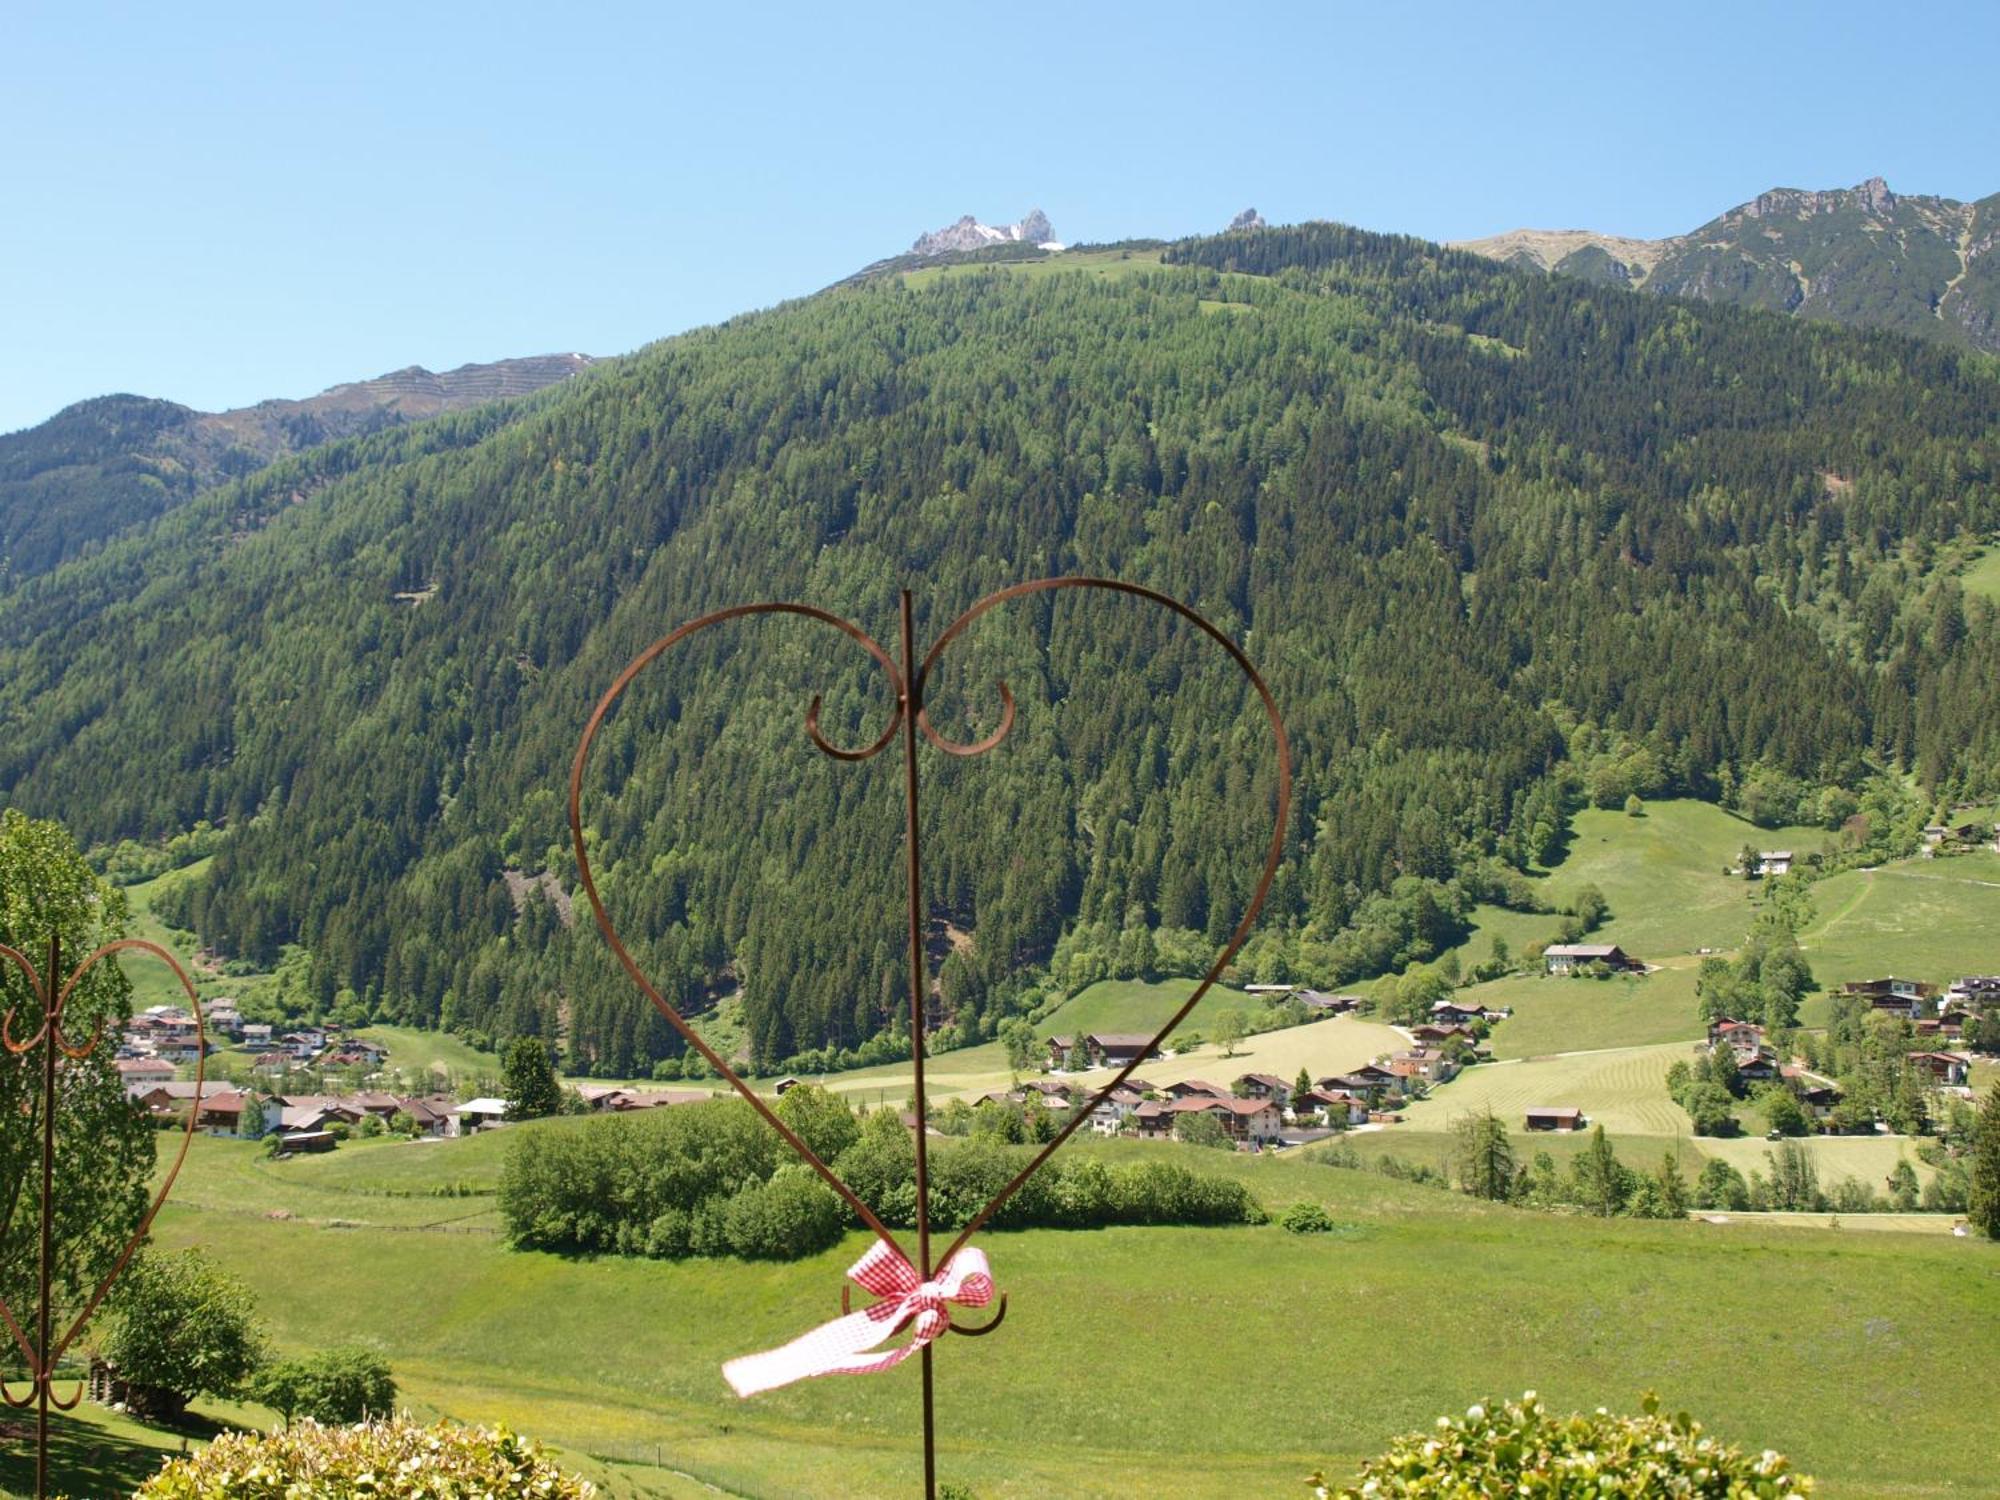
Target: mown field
[(1846, 1349)]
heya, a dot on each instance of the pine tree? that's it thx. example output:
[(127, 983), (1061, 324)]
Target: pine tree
[(1983, 1204), (1485, 1156), (528, 1080)]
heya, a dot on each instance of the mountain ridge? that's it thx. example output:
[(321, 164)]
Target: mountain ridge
[(109, 462), (1435, 496), (1863, 255)]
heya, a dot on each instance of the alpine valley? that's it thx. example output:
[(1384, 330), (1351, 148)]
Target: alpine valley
[(1504, 543)]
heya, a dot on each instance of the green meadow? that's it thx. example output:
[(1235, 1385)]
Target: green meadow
[(1929, 919), (1982, 576), (1095, 262), (1662, 874), (1839, 1347)]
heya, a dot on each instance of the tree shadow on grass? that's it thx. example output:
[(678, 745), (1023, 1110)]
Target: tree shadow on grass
[(89, 1461)]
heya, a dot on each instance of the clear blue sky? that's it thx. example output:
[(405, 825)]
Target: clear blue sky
[(217, 203)]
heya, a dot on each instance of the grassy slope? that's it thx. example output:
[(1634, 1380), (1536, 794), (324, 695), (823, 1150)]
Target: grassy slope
[(416, 1051), (1842, 1349), (1663, 877), (152, 982), (1983, 576), (1926, 918), (1097, 262), (1662, 874)]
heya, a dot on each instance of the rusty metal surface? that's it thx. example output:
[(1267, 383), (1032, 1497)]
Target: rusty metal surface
[(44, 1350), (908, 679)]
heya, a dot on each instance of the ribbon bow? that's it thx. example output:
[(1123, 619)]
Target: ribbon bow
[(844, 1346)]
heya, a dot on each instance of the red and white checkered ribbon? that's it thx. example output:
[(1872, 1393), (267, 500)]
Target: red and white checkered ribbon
[(849, 1344)]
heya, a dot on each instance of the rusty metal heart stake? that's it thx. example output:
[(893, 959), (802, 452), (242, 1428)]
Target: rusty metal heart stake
[(914, 1292), (44, 1350)]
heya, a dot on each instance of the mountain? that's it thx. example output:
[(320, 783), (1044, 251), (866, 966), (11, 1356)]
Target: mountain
[(969, 234), (1501, 542), (1862, 255), (98, 466)]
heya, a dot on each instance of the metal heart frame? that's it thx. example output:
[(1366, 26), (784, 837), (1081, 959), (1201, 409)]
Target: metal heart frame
[(908, 682), (41, 1352)]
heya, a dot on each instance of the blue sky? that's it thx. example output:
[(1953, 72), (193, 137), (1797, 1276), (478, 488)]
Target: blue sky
[(219, 203)]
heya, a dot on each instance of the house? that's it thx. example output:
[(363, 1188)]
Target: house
[(272, 1062), (1433, 1035), (1253, 1120), (1189, 1088), (1739, 1036), (1891, 988), (1115, 1049), (1978, 992), (1555, 1119), (1335, 1106), (1324, 1004), (299, 1141), (1451, 1013), (1567, 958), (315, 1113), (1115, 1109), (1368, 1084), (227, 1113), (1818, 1096), (785, 1085), (257, 1034), (1262, 1086), (1947, 1069), (627, 1100), (480, 1114), (1756, 1067), (432, 1115), (143, 1070), (1774, 862), (1426, 1063)]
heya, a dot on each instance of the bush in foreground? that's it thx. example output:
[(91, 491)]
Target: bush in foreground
[(393, 1460), (1518, 1449)]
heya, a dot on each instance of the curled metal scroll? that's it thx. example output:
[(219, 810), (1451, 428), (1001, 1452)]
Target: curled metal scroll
[(908, 681), (44, 1351)]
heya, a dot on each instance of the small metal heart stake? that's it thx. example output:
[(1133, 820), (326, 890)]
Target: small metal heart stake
[(44, 1350), (914, 1291)]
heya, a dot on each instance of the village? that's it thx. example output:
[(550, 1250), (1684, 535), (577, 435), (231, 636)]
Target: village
[(1255, 1110)]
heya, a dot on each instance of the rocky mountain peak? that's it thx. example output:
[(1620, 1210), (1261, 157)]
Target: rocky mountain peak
[(969, 234), (1248, 219)]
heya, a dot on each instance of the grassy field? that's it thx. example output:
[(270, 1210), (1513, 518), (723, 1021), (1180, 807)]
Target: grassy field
[(1926, 918), (437, 1053), (1622, 1089), (1662, 874), (1096, 262), (1566, 1015), (1320, 1047), (1846, 1350), (1982, 577), (152, 982)]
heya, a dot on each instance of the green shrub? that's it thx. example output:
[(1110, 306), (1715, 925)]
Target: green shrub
[(331, 1385), (393, 1460), (792, 1215), (1519, 1449), (1306, 1217)]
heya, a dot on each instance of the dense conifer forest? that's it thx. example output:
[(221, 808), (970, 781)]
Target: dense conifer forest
[(1471, 522)]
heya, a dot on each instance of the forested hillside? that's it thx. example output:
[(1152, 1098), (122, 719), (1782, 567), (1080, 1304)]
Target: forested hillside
[(111, 464), (1458, 513)]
